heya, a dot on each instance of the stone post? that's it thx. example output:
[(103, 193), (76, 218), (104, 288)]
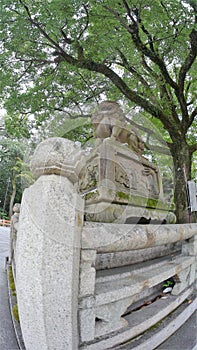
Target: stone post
[(189, 247), (48, 249)]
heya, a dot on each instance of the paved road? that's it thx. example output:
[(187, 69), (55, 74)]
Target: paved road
[(185, 338), (7, 334)]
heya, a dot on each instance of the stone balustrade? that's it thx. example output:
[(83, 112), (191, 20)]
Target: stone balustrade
[(80, 281), (103, 304)]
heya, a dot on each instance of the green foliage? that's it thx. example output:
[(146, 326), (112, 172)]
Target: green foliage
[(83, 134), (14, 171), (65, 55), (3, 214), (194, 167), (52, 52)]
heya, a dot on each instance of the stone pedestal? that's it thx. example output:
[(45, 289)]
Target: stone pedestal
[(121, 186)]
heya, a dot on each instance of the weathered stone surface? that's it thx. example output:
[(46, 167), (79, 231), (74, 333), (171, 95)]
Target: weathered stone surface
[(48, 250), (119, 185), (87, 273), (87, 324), (110, 212), (13, 230), (117, 290), (109, 121), (58, 287), (117, 259), (192, 276), (117, 182), (122, 285), (106, 238), (190, 246), (110, 315), (57, 156), (144, 319), (185, 279), (87, 318)]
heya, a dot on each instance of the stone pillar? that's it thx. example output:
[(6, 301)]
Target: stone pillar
[(48, 249)]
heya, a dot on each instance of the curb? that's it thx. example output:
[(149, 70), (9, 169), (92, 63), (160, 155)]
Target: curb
[(12, 302), (169, 330)]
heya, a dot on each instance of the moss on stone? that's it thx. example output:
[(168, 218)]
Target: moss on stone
[(155, 326), (13, 289), (11, 280), (123, 195), (15, 312), (140, 201), (91, 195)]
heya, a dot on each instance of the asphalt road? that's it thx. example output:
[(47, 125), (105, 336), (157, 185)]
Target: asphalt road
[(7, 334), (185, 338)]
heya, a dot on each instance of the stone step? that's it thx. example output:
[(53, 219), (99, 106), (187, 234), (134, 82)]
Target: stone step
[(112, 288), (149, 318)]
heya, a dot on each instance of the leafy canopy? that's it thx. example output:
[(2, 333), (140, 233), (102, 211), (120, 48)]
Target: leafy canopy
[(61, 55), (64, 54)]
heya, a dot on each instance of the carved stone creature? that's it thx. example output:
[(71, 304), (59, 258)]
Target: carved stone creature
[(109, 121), (14, 229)]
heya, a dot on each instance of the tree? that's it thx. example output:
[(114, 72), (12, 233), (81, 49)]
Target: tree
[(14, 173), (64, 53)]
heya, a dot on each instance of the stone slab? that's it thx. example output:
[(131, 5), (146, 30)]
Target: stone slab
[(116, 287), (109, 238), (140, 321)]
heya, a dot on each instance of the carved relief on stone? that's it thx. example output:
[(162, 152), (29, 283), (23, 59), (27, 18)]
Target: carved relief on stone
[(121, 176), (151, 180), (88, 178), (126, 179)]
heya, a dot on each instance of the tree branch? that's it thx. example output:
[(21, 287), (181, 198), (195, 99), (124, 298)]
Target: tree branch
[(182, 75), (189, 59), (87, 22), (61, 51), (192, 116), (141, 47), (132, 70)]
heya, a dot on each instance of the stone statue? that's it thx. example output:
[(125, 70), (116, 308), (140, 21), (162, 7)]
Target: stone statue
[(14, 229), (109, 121)]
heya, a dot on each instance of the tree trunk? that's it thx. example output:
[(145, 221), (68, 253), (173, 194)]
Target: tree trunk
[(12, 195), (182, 172)]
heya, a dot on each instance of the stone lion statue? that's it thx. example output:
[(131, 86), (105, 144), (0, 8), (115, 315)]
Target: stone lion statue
[(109, 121)]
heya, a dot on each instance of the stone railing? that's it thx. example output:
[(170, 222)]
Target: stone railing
[(105, 295), (78, 283)]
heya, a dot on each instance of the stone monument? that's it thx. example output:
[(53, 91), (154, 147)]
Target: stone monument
[(117, 182)]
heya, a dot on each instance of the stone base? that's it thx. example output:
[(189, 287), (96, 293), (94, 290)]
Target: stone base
[(120, 213)]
